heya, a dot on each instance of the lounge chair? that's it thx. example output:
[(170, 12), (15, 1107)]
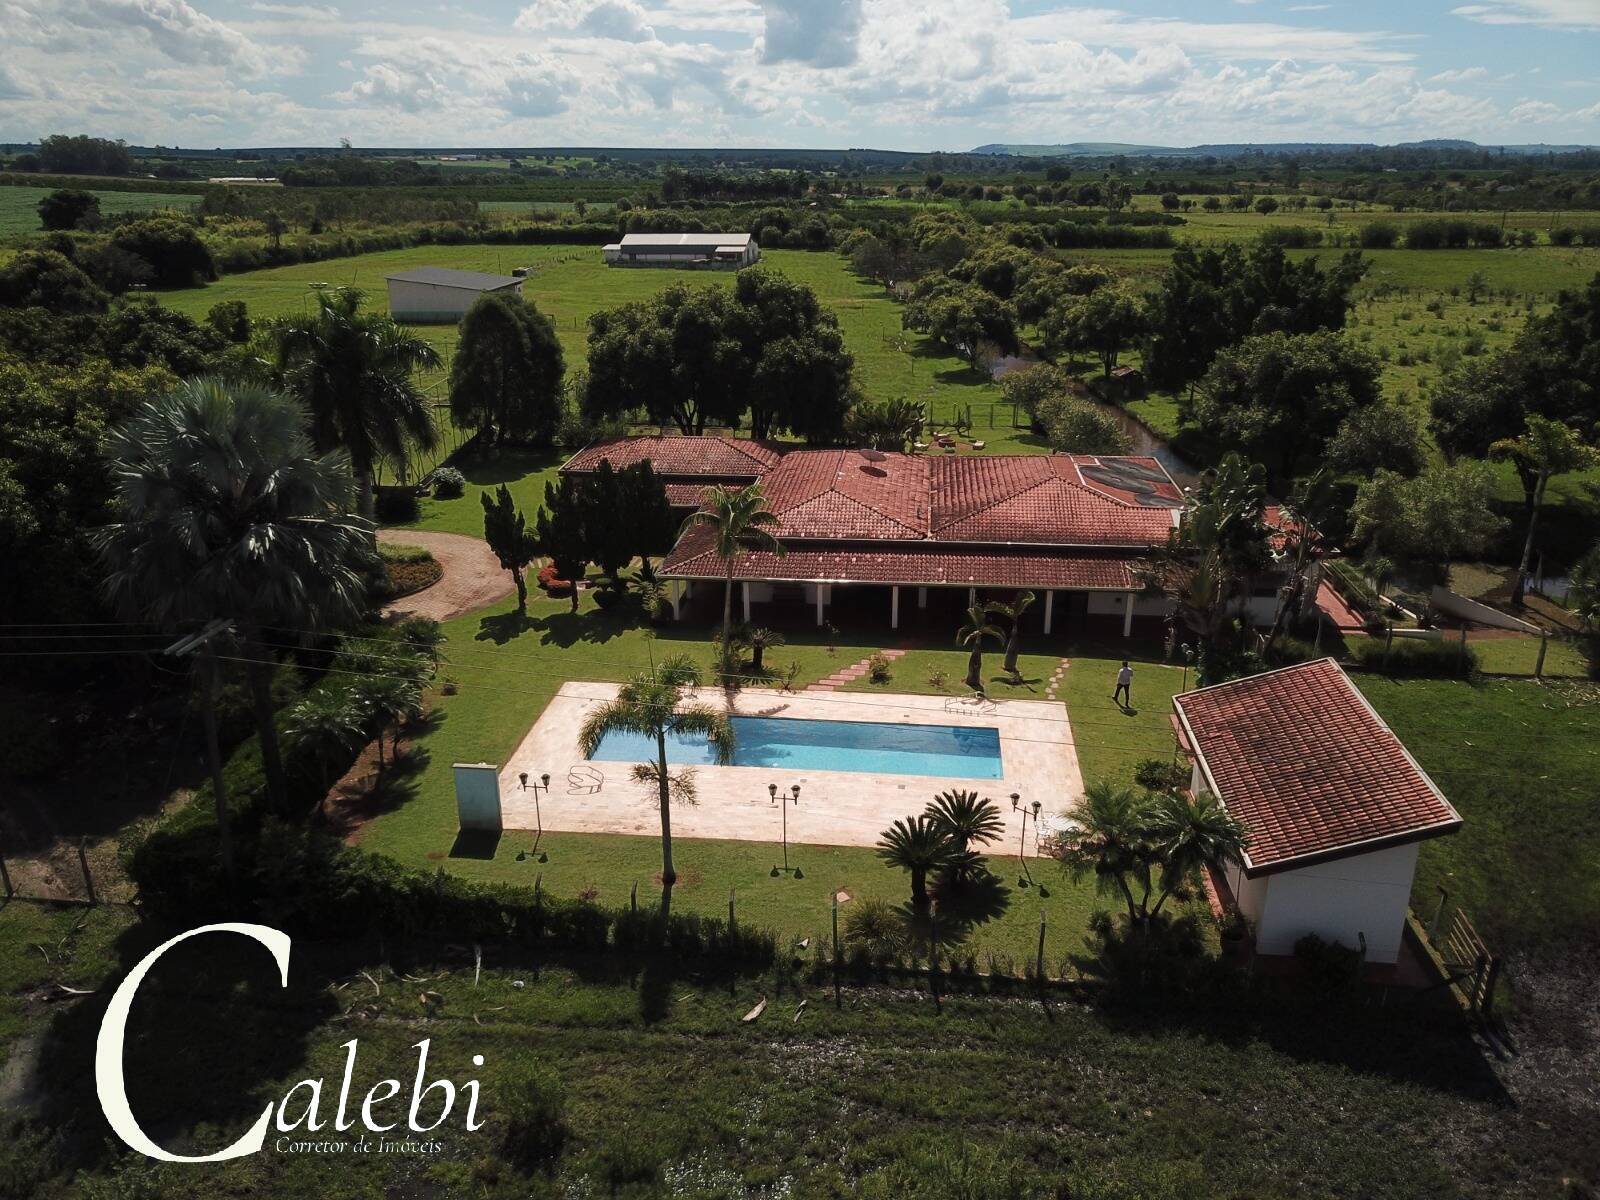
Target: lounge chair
[(584, 780)]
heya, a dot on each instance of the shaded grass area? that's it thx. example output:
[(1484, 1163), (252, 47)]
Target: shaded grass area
[(662, 1090), (1519, 760)]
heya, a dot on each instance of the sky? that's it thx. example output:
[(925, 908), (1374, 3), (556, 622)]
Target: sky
[(887, 74)]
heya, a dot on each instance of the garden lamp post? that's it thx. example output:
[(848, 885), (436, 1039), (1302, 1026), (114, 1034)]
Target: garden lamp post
[(1026, 878), (538, 812), (1188, 657), (793, 797)]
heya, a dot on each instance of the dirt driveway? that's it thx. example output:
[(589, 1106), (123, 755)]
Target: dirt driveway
[(473, 577)]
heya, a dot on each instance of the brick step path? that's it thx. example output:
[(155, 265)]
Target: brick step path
[(1055, 679), (851, 673)]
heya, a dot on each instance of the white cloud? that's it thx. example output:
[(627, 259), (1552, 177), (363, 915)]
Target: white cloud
[(12, 86), (300, 12), (1552, 14), (1532, 112), (821, 33), (619, 20), (173, 29), (1464, 75)]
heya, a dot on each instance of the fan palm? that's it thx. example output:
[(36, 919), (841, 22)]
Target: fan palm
[(353, 371), (651, 704), (390, 701), (741, 521), (321, 729), (975, 633), (1020, 603), (1108, 840), (917, 845), (967, 817), (1186, 835), (227, 512)]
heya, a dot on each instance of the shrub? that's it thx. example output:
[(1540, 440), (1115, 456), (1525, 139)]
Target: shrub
[(609, 595), (449, 484), (396, 505), (878, 668), (552, 583), (535, 1105), (1379, 235), (877, 929), (1160, 775), (1416, 658)]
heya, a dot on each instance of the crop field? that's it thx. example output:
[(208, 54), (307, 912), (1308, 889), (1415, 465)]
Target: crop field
[(19, 206)]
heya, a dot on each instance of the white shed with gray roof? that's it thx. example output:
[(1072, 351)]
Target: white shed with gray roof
[(440, 295), (729, 251)]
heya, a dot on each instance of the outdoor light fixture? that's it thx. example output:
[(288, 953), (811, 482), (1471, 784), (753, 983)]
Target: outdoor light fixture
[(524, 777), (1016, 798), (544, 785), (772, 793), (794, 793)]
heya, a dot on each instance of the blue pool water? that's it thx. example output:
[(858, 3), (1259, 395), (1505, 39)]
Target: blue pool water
[(862, 746)]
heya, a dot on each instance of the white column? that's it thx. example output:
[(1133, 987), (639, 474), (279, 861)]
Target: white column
[(1049, 611), (677, 598), (819, 605), (1127, 615), (744, 590), (972, 597), (922, 597), (894, 606)]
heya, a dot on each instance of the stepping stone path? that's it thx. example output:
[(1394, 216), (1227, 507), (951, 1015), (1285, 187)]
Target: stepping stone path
[(1055, 679), (851, 673)]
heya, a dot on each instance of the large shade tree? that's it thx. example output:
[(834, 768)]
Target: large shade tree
[(355, 370), (505, 376), (226, 511), (1544, 450), (654, 704)]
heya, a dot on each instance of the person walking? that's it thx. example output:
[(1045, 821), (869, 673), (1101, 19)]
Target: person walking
[(1123, 695)]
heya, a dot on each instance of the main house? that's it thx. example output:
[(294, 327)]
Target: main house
[(874, 534), (1334, 804)]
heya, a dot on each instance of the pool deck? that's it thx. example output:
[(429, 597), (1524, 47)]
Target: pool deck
[(836, 808)]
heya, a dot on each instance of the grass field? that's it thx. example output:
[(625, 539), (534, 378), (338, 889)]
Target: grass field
[(19, 206), (661, 1090)]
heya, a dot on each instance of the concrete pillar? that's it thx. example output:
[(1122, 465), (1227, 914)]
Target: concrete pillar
[(744, 591), (1127, 614), (1049, 611), (677, 599), (894, 607), (922, 597), (819, 604), (972, 596)]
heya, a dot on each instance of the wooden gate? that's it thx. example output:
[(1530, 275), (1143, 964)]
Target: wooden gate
[(1470, 966)]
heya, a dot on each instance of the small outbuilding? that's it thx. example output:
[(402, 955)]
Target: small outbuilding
[(1334, 804), (440, 295), (725, 251)]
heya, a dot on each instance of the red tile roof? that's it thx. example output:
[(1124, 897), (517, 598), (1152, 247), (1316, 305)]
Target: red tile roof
[(917, 563), (711, 457), (1301, 758)]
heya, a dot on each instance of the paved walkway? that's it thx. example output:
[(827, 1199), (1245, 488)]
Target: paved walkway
[(473, 577), (1335, 609), (851, 673), (1055, 678)]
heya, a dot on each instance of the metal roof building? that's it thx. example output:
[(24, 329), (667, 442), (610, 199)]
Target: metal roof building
[(728, 251), (440, 295)]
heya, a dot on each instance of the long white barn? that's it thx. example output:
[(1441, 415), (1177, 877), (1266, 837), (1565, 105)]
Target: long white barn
[(440, 295), (727, 251)]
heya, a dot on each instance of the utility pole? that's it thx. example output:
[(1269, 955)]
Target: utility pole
[(211, 676)]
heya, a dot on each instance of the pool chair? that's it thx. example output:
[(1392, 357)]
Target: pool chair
[(584, 780), (981, 705)]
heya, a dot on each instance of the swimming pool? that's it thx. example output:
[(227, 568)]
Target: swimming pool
[(867, 747)]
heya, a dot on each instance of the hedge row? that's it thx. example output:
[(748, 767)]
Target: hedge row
[(1415, 657)]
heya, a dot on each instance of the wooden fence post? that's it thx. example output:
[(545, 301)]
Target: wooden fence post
[(1544, 642), (1041, 947), (730, 911), (5, 876), (83, 861), (1388, 645), (633, 897)]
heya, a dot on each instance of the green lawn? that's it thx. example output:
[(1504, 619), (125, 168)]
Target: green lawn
[(19, 206)]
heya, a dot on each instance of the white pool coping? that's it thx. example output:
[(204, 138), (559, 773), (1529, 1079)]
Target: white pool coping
[(837, 808)]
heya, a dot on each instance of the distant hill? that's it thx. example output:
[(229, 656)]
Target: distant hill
[(1245, 149)]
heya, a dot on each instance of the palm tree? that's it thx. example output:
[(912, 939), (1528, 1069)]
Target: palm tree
[(354, 371), (967, 818), (1546, 449), (1107, 840), (1020, 603), (1187, 835), (227, 512), (974, 633), (324, 727), (389, 702), (1583, 590), (741, 521), (652, 704), (917, 845)]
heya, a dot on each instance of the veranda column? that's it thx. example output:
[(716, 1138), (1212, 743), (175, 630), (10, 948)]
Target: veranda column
[(1127, 615), (894, 606), (819, 605), (922, 597), (972, 597), (744, 590), (1049, 611), (677, 598)]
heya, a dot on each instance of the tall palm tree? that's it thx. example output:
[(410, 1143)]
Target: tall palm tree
[(1012, 612), (974, 634), (741, 522), (917, 845), (1186, 835), (969, 821), (228, 512), (1546, 449), (354, 371), (652, 704)]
